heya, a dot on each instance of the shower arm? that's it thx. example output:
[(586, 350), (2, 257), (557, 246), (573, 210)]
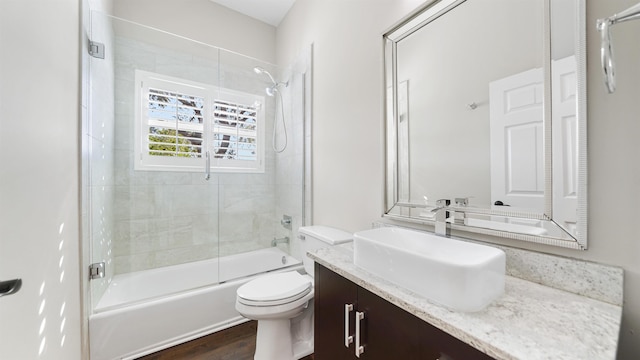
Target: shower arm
[(606, 46)]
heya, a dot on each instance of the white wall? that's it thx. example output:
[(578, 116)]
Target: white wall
[(39, 181), (347, 101), (614, 172), (347, 95), (206, 21)]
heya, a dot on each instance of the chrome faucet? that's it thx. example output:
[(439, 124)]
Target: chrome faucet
[(442, 228), (284, 240)]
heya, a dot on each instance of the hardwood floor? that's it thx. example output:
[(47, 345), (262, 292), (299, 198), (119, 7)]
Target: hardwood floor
[(236, 343)]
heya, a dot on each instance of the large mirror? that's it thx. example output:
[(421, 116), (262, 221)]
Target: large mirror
[(486, 107)]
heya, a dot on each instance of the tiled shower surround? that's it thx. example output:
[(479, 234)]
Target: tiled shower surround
[(161, 218)]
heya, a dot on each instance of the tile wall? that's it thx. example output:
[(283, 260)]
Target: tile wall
[(167, 218)]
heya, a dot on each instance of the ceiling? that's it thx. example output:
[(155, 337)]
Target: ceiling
[(268, 11)]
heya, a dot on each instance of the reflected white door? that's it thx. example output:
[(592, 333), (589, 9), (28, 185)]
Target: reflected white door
[(517, 142), (565, 142)]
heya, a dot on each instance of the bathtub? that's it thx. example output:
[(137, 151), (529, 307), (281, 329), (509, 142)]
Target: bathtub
[(146, 311)]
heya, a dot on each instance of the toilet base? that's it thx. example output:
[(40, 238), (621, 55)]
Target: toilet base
[(302, 333), (273, 340), (286, 339)]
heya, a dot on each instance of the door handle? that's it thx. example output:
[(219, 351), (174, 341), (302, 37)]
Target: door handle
[(359, 348), (348, 338), (10, 287)]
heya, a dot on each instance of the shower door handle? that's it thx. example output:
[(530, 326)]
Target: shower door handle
[(10, 287), (207, 169)]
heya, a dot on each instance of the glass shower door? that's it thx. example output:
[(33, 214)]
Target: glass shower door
[(141, 219), (254, 206)]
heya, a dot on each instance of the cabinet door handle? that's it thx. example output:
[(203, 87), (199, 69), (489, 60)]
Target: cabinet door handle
[(359, 348), (348, 339)]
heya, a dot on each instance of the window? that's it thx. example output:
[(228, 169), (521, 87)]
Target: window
[(179, 121)]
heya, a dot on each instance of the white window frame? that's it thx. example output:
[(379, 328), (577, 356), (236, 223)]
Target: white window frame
[(143, 161)]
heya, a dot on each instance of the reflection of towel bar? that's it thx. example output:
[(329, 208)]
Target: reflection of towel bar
[(606, 47)]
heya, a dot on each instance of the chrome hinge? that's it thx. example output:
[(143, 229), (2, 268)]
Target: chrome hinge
[(96, 49), (96, 271)]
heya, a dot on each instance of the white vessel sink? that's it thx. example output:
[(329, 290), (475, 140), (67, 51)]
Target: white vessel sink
[(459, 275)]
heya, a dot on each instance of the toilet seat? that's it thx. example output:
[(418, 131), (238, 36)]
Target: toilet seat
[(275, 289)]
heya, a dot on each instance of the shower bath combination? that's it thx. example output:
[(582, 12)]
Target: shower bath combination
[(169, 240), (273, 90)]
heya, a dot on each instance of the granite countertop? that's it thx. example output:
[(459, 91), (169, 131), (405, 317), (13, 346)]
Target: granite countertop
[(529, 321)]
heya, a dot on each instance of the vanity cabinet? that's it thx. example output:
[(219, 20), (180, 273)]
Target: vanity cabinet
[(386, 332)]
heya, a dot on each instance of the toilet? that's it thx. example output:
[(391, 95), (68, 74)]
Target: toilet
[(282, 303)]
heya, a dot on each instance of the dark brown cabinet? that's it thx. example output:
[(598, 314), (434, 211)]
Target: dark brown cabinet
[(386, 332)]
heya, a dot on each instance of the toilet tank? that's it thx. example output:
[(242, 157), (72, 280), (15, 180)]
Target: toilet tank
[(318, 236)]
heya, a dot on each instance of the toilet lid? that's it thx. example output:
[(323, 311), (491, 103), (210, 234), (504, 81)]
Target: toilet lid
[(275, 287)]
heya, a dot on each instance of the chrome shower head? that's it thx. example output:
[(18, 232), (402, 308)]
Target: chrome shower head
[(272, 90), (259, 70)]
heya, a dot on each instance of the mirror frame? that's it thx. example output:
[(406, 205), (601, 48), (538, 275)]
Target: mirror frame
[(423, 16)]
